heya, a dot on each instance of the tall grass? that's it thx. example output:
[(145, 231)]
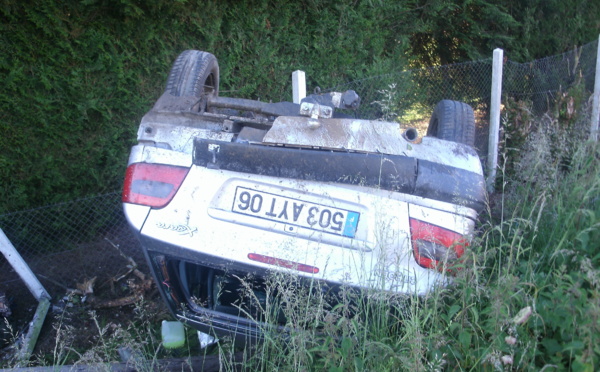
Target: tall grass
[(528, 297)]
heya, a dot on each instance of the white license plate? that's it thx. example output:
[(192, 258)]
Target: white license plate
[(295, 212)]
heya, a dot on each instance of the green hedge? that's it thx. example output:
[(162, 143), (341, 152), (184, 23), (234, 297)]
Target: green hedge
[(79, 75)]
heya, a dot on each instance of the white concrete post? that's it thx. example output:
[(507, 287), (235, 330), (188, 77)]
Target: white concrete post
[(298, 85), (492, 161), (596, 101)]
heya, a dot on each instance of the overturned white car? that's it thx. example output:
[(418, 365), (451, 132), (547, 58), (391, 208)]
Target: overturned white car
[(218, 188)]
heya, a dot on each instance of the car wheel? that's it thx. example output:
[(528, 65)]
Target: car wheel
[(194, 73), (453, 121)]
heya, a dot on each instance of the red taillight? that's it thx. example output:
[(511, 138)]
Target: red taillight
[(435, 247), (283, 263), (153, 185)]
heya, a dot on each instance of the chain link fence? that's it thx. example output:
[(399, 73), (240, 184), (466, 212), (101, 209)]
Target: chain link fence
[(409, 96), (545, 83), (70, 243), (67, 245), (540, 86)]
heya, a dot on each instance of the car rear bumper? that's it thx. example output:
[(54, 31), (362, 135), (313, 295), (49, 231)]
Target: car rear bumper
[(396, 173)]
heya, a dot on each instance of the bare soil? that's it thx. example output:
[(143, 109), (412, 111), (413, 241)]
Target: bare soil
[(102, 286)]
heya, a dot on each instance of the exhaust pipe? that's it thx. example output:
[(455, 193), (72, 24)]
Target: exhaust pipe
[(411, 134)]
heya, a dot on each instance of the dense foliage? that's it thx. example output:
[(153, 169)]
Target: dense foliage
[(78, 75), (462, 30)]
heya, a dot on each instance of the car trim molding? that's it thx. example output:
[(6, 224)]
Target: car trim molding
[(396, 173)]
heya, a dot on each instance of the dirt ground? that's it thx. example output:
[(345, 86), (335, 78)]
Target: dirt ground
[(73, 327), (102, 291)]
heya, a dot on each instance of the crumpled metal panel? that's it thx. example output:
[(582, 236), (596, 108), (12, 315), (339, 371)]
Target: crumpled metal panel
[(177, 130), (349, 134), (370, 136)]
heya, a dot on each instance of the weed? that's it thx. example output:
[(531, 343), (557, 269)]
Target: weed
[(527, 296), (138, 340)]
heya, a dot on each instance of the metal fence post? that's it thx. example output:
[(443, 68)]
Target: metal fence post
[(37, 290), (596, 101), (492, 161), (20, 266), (298, 85)]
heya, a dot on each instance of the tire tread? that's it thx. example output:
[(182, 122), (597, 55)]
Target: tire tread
[(453, 121), (189, 71)]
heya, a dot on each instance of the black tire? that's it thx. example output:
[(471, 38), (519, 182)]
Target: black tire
[(194, 73), (453, 121)]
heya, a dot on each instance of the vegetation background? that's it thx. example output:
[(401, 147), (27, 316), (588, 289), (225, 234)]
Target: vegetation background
[(79, 74)]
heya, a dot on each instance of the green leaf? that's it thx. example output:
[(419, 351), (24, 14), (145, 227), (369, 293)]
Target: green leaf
[(346, 346), (475, 314), (452, 311), (580, 366), (551, 345), (574, 345), (464, 338)]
